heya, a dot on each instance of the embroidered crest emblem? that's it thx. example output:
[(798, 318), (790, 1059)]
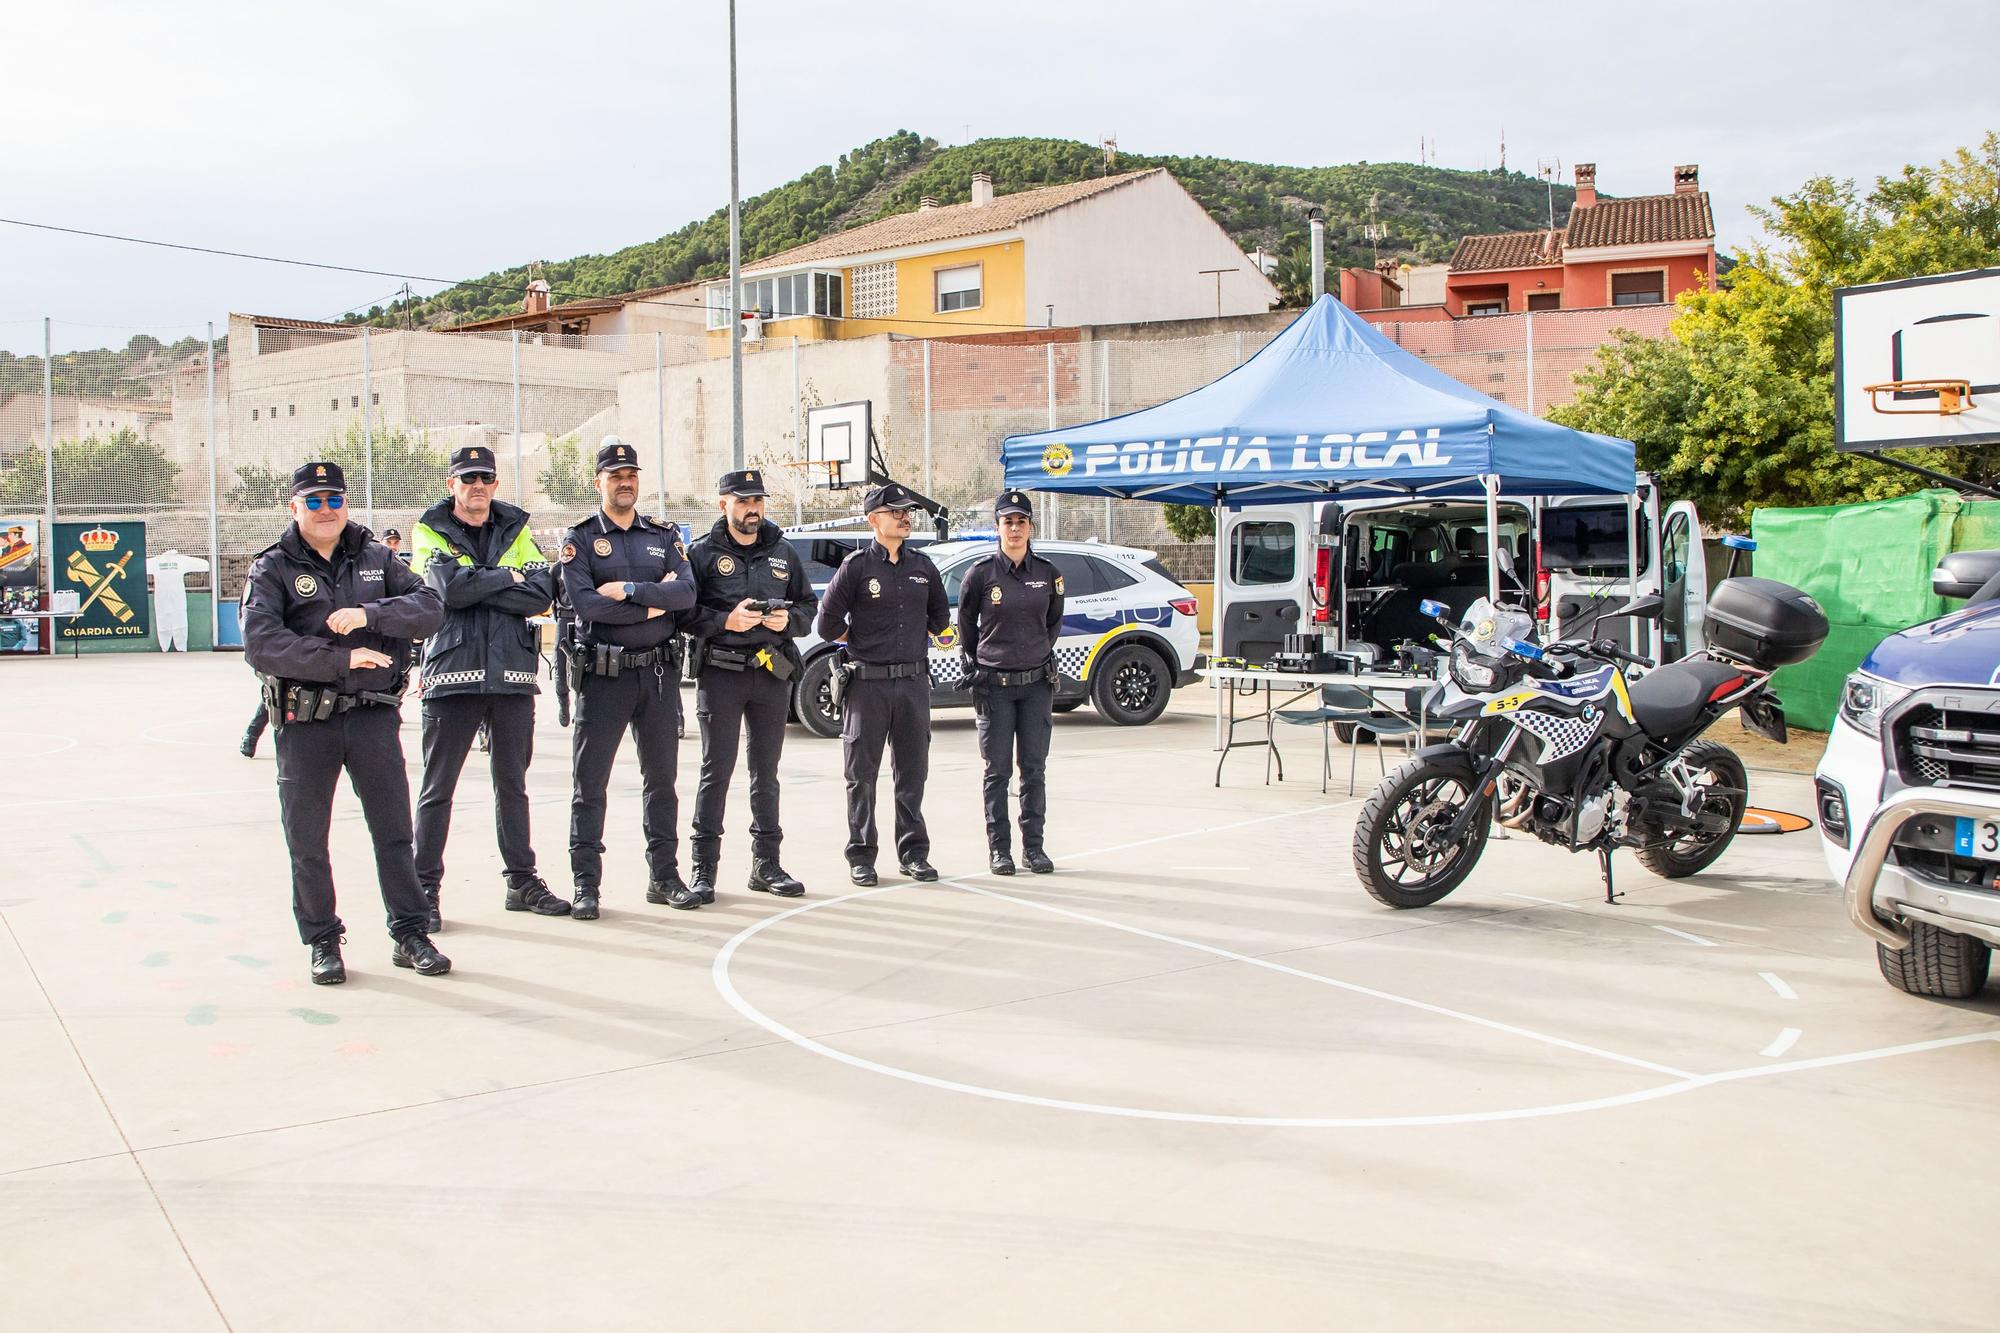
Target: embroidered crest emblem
[(995, 594), (305, 585), (1058, 585), (602, 546), (874, 587), (726, 565), (568, 552)]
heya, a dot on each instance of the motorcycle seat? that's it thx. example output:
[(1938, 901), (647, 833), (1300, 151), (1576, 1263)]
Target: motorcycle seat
[(1668, 702)]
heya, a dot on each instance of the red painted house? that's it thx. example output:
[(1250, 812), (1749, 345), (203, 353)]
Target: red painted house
[(1612, 252)]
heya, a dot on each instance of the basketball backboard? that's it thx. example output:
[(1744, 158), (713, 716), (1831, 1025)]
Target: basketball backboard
[(837, 451), (1917, 362)]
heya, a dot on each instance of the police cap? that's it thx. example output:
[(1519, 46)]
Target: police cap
[(892, 496), (746, 485), (309, 477), (615, 453), (472, 458), (387, 533), (1013, 502)]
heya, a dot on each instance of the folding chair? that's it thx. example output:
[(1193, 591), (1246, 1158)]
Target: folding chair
[(1353, 705)]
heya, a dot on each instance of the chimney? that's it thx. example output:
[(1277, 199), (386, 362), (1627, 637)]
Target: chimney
[(982, 189), (1687, 179), (927, 203), (537, 302), (1586, 185)]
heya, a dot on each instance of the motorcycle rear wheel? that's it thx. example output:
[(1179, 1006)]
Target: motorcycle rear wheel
[(1692, 853), (1399, 854)]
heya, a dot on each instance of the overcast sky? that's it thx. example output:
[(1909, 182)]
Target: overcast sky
[(448, 139)]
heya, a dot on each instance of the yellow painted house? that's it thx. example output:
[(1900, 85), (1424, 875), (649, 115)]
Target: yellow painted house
[(1130, 248)]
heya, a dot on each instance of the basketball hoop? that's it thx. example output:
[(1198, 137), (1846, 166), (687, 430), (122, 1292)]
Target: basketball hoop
[(1952, 397)]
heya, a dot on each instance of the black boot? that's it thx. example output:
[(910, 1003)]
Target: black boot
[(704, 882), (534, 896), (920, 870), (585, 906), (767, 876), (417, 951), (327, 968), (1000, 861), (1038, 861), (672, 891), (435, 922)]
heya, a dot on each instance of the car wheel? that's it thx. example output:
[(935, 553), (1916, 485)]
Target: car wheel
[(1940, 963), (815, 697), (1130, 686)]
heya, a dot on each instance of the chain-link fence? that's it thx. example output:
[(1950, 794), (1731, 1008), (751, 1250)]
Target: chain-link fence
[(195, 431)]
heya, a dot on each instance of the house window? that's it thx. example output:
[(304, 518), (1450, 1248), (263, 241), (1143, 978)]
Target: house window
[(291, 409), (1545, 300), (333, 406), (375, 400), (827, 294), (1644, 288), (1485, 307), (786, 296), (874, 291), (958, 288), (354, 400), (274, 411), (253, 414)]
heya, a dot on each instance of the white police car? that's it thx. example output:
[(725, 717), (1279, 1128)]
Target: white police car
[(1128, 635)]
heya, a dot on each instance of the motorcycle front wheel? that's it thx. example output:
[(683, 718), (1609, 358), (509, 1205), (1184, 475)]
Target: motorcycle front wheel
[(1402, 852)]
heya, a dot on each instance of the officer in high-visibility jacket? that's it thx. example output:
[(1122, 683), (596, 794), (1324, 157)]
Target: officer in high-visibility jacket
[(481, 669)]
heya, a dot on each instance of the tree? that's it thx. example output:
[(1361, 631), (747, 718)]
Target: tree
[(119, 473), (1735, 410), (1190, 523), (568, 479), (259, 487), (407, 471)]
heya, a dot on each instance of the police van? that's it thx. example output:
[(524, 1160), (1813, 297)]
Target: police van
[(1128, 636), (1356, 571)]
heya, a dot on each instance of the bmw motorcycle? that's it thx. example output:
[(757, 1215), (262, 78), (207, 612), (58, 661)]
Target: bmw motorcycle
[(1558, 741)]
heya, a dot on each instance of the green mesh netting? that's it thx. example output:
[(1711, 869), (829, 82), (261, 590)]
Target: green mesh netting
[(1869, 566)]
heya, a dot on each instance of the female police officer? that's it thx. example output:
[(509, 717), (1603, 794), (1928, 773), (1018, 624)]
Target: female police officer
[(327, 621)]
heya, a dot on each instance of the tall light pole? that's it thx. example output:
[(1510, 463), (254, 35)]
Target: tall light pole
[(735, 269)]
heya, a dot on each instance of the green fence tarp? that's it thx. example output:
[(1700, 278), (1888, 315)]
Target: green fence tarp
[(1869, 567)]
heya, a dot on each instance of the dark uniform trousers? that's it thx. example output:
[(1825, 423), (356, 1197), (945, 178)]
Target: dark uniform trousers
[(897, 712), (366, 742), (1016, 716), (451, 722), (724, 702), (648, 701)]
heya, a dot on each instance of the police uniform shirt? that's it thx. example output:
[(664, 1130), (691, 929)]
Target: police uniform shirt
[(598, 551), (726, 573), (1009, 615), (292, 591), (886, 609)]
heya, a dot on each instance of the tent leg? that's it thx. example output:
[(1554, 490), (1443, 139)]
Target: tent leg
[(1492, 485), (1215, 621)]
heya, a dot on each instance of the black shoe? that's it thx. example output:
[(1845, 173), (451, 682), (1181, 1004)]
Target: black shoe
[(433, 923), (704, 883), (327, 969), (920, 870), (862, 875), (248, 749), (673, 892), (585, 906), (535, 897), (418, 952), (1001, 861), (1038, 861), (770, 877)]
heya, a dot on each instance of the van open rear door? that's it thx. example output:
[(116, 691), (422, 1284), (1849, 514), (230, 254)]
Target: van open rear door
[(1266, 557), (1683, 584)]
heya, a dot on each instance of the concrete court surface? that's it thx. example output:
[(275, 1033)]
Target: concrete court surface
[(1195, 1080)]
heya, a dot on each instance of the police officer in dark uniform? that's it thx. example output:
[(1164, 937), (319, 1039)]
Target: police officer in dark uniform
[(480, 670), (627, 579), (327, 622), (886, 600), (753, 600), (1010, 611)]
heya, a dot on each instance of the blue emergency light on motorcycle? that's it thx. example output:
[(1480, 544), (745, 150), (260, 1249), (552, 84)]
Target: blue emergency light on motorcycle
[(1520, 649), (1435, 610)]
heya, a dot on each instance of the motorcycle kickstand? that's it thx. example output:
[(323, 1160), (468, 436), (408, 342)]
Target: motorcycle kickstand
[(1611, 896)]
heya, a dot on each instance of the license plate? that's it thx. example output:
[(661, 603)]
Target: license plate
[(1979, 838)]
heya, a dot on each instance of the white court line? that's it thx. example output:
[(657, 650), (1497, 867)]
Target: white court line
[(719, 972), (15, 754), (1785, 1042), (1777, 983), (1211, 867), (1682, 934), (1529, 897)]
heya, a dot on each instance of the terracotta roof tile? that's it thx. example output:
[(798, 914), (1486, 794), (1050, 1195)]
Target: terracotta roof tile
[(947, 223), (1508, 249), (1642, 221)]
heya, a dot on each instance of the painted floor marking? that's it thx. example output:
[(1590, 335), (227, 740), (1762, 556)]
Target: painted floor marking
[(1785, 1041), (1777, 983), (1682, 934)]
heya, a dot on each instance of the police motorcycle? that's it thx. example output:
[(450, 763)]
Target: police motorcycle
[(1582, 744)]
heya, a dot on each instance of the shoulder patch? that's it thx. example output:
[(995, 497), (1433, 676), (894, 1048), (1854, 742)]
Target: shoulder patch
[(568, 552), (1059, 587)]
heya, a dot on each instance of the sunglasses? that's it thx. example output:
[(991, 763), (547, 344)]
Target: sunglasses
[(318, 502), (478, 478)]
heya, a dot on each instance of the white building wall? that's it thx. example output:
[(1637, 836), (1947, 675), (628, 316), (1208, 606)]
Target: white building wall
[(1135, 254)]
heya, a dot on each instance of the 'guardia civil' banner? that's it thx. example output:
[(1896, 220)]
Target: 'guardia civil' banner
[(105, 565)]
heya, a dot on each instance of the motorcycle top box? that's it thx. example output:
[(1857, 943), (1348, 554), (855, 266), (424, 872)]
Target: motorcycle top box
[(1764, 622)]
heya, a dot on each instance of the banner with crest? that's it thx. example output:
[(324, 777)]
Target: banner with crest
[(105, 565)]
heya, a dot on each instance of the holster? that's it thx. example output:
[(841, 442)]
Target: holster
[(776, 661), (836, 681), (697, 655)]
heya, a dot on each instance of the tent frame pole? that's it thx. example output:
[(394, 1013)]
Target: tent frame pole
[(1492, 485), (1215, 612)]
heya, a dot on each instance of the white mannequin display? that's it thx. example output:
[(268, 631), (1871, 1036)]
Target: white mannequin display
[(170, 601)]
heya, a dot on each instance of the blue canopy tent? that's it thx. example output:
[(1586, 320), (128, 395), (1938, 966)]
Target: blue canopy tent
[(1329, 408)]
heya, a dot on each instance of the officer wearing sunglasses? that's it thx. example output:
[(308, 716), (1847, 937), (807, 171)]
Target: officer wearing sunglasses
[(328, 617), (475, 552)]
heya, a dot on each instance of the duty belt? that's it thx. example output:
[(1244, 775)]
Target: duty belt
[(1032, 676), (893, 671)]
